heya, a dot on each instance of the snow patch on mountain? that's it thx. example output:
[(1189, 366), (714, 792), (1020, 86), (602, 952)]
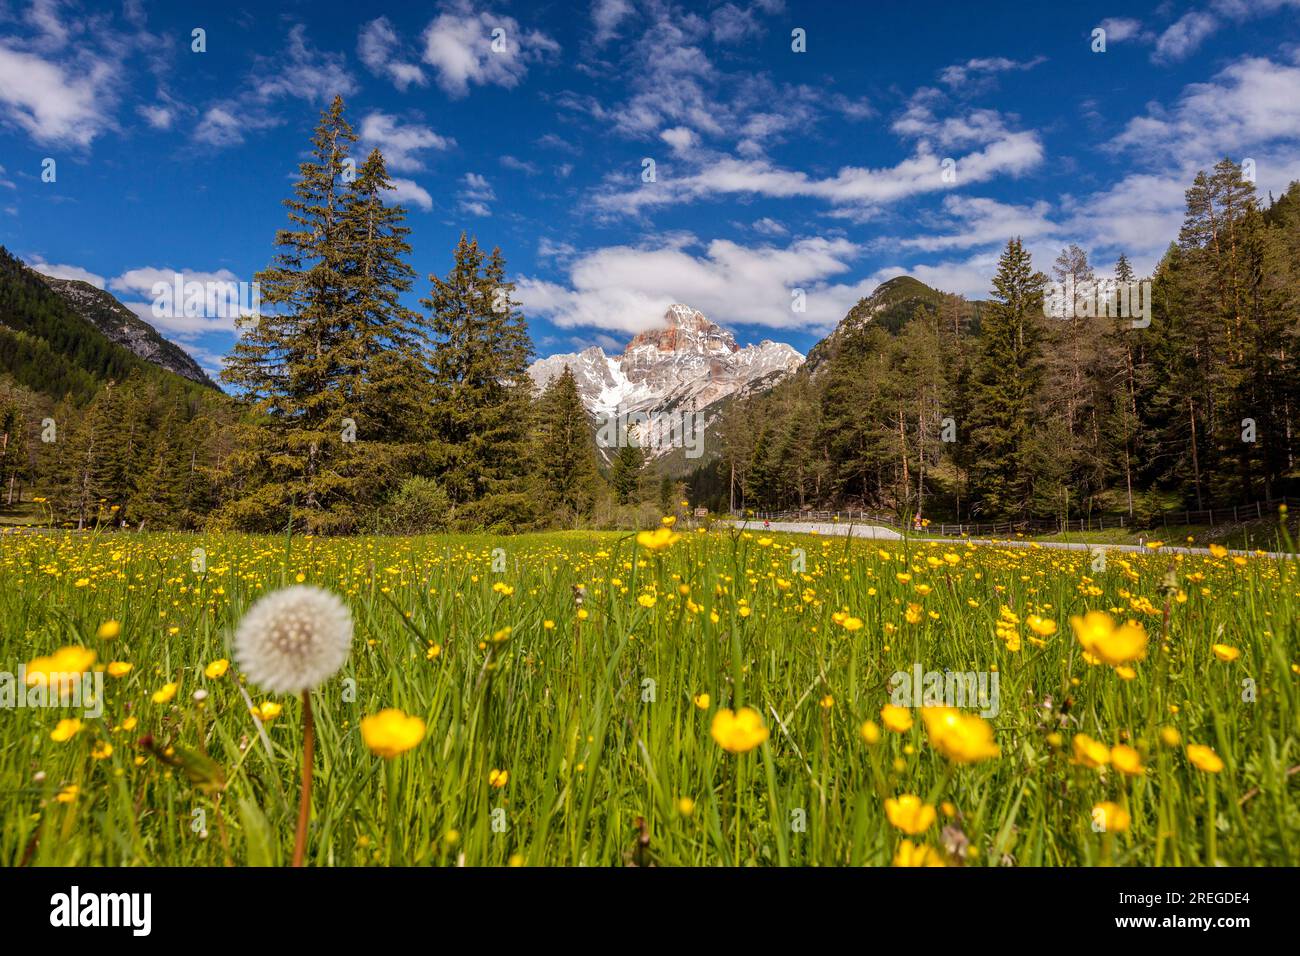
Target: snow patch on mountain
[(688, 364)]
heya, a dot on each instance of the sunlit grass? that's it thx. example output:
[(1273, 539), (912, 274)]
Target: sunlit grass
[(568, 741)]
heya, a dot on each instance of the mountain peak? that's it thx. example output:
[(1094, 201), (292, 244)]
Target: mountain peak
[(687, 363), (685, 329)]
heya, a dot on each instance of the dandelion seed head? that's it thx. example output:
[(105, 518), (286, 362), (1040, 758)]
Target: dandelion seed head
[(294, 639)]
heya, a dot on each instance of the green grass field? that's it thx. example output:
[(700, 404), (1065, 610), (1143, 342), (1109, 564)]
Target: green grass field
[(589, 732)]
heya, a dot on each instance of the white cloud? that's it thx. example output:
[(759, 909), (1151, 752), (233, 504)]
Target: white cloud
[(769, 227), (732, 24), (1139, 215), (519, 165), (66, 272), (680, 138), (141, 282), (378, 46), (627, 289), (606, 16), (922, 172), (974, 127), (459, 43), (56, 104), (1119, 29), (961, 74), (477, 187), (1250, 103), (157, 116), (221, 127), (979, 221), (46, 17), (971, 277), (400, 142), (409, 191), (1181, 39), (302, 72)]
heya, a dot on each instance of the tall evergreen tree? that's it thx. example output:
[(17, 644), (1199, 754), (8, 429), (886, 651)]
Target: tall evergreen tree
[(625, 473), (1008, 388), (298, 361), (480, 391), (564, 473)]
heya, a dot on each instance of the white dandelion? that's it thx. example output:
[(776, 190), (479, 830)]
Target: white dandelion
[(291, 641), (294, 639)]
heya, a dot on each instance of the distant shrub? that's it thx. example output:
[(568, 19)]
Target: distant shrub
[(418, 506)]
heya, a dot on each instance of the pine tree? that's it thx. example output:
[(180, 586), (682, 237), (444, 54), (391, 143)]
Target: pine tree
[(564, 476), (386, 378), (1008, 390), (625, 473), (480, 390), (297, 363)]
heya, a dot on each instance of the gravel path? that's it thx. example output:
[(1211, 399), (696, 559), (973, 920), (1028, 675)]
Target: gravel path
[(878, 532)]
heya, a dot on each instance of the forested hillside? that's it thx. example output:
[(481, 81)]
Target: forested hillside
[(1020, 414)]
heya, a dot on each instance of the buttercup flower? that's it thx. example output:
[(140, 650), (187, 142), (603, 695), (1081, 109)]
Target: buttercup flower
[(1126, 760), (267, 711), (391, 732), (66, 660), (65, 730), (1089, 752), (108, 630), (1110, 817), (962, 738), (1226, 653), (658, 539), (740, 731), (165, 693), (1112, 645), (897, 719), (909, 814), (216, 669), (910, 854), (294, 639), (1041, 625), (498, 778), (1203, 758)]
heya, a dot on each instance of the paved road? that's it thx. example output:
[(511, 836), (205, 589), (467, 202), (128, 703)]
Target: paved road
[(879, 532)]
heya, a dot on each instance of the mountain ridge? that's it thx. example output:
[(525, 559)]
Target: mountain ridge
[(119, 324), (687, 364)]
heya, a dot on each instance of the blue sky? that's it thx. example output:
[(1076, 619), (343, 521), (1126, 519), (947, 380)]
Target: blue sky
[(775, 170)]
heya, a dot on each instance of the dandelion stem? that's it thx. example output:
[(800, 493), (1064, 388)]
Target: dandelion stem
[(304, 804)]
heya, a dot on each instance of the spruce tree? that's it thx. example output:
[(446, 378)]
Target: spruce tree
[(298, 361), (625, 473), (480, 389), (564, 456), (1008, 387)]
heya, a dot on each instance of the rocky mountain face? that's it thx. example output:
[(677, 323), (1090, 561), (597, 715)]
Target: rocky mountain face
[(689, 364), (125, 328)]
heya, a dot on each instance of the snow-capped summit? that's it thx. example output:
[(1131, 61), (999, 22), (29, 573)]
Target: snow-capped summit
[(687, 364)]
